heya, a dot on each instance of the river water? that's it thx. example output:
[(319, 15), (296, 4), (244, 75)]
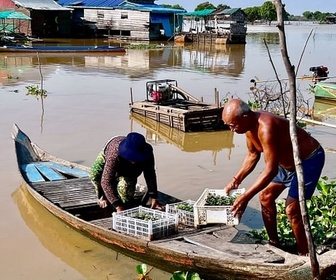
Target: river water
[(87, 103)]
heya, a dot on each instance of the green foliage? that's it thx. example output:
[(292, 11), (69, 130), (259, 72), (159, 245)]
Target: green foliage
[(253, 14), (176, 6), (36, 91), (144, 46), (268, 11), (321, 212), (142, 270), (180, 275), (204, 6)]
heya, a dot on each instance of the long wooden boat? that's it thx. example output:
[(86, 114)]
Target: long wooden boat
[(325, 91), (216, 251), (169, 104), (62, 49)]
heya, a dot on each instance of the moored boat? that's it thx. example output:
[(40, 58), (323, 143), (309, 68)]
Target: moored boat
[(325, 91), (168, 104), (62, 49), (215, 251)]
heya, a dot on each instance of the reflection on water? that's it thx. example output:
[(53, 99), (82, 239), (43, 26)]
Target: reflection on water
[(91, 259), (214, 141), (215, 59), (324, 111)]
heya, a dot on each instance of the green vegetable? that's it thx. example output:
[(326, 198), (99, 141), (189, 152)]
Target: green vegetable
[(219, 200)]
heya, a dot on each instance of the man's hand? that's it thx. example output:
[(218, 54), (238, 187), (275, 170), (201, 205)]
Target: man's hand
[(234, 184), (239, 206), (156, 205)]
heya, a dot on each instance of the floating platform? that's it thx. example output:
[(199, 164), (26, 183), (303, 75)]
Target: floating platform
[(168, 104)]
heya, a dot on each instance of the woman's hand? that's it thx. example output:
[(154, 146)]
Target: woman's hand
[(156, 205), (102, 202), (119, 209)]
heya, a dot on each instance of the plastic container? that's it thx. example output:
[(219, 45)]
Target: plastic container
[(206, 214), (128, 222)]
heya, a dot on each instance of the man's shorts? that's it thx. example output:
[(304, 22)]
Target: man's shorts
[(312, 168)]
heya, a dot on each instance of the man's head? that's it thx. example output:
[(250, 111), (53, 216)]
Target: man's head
[(235, 115)]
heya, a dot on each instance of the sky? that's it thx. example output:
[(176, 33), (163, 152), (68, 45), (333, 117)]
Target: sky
[(293, 7)]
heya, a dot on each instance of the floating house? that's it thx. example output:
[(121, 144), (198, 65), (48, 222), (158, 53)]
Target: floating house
[(127, 20), (226, 26), (132, 20), (46, 17)]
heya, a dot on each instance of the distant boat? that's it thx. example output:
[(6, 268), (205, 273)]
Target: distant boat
[(325, 91), (61, 49)]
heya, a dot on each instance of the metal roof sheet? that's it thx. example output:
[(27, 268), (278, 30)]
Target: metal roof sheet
[(90, 3), (201, 13), (13, 15), (39, 5), (228, 11)]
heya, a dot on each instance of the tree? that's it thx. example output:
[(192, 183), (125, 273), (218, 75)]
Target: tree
[(308, 15), (176, 6), (204, 6), (223, 7), (268, 12), (253, 14)]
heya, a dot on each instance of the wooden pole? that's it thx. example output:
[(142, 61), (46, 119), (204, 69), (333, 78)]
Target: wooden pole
[(131, 92)]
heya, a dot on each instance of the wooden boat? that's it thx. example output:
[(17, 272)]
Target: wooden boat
[(325, 91), (214, 251), (62, 49), (169, 104)]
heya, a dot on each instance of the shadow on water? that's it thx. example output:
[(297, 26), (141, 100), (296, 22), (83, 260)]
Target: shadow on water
[(91, 259), (190, 142)]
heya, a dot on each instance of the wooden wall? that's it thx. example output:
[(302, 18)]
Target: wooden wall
[(136, 22)]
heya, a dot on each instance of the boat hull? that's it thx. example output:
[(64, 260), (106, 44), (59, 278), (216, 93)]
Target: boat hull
[(326, 91), (211, 251), (62, 49)]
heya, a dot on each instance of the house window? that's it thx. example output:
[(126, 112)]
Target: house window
[(124, 15)]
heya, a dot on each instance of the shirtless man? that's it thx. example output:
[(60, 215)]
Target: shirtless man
[(269, 134)]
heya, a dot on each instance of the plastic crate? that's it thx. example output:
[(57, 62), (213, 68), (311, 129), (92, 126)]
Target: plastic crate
[(184, 217), (205, 214), (164, 224)]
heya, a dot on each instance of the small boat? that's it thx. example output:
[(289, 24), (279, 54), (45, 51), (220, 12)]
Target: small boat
[(62, 49), (215, 251), (169, 104), (325, 91)]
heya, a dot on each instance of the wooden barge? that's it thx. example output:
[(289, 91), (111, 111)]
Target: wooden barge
[(168, 104)]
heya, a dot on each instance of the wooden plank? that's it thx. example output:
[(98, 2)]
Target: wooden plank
[(252, 252), (49, 173), (67, 170), (32, 173)]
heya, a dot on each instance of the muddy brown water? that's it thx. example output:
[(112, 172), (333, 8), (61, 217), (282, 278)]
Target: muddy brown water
[(87, 103)]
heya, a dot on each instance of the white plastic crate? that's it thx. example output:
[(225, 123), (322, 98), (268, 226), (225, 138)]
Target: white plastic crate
[(205, 214), (185, 217), (164, 224)]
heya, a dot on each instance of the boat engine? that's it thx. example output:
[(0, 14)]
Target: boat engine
[(320, 73)]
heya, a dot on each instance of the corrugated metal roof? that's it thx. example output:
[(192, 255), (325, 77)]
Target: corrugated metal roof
[(90, 3), (149, 7), (201, 13), (13, 15), (121, 4), (39, 5), (228, 11)]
